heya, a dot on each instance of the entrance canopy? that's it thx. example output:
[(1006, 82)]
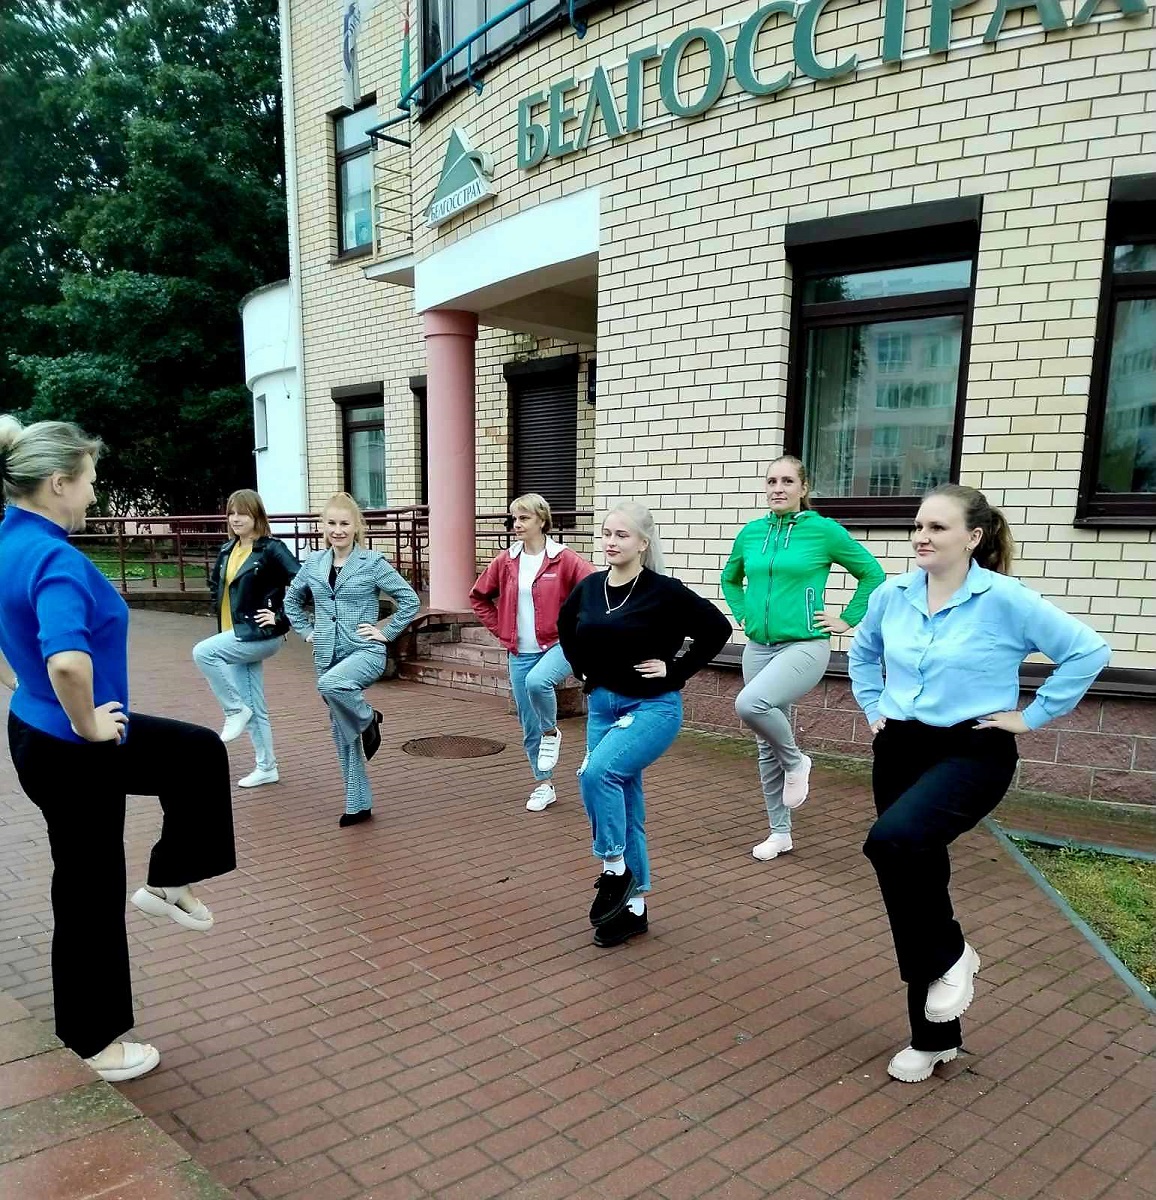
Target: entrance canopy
[(535, 272)]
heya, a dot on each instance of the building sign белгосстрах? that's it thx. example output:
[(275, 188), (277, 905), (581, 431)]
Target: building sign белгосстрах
[(568, 121), (465, 180)]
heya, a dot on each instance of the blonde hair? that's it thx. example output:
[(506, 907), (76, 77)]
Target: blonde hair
[(536, 506), (800, 470), (30, 455), (996, 547), (247, 503), (641, 522), (346, 501)]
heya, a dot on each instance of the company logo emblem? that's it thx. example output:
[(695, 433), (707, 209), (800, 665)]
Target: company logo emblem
[(466, 180)]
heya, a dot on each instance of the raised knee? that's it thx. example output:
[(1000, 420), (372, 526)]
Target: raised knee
[(887, 841), (202, 653), (329, 685), (748, 706)]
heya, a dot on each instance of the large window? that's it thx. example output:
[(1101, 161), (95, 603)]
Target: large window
[(1119, 478), (363, 439), (354, 178), (878, 364), (446, 23)]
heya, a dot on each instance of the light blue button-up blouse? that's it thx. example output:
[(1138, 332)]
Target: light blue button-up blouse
[(963, 662)]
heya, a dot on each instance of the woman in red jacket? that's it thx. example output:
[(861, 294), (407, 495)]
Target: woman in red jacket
[(518, 598)]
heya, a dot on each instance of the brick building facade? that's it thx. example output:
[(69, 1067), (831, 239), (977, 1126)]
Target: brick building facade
[(907, 242)]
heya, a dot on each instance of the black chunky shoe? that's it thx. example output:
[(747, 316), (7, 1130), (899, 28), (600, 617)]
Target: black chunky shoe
[(624, 926), (371, 736), (613, 893), (356, 818)]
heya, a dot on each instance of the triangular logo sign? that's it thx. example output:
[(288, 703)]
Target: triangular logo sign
[(465, 179)]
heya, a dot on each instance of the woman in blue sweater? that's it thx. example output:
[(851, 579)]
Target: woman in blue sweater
[(935, 668), (78, 750)]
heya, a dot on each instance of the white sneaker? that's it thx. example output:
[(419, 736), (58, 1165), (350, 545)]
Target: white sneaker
[(949, 996), (258, 777), (235, 724), (548, 751), (796, 784), (776, 844), (914, 1066), (541, 797)]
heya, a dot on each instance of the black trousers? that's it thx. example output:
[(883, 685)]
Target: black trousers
[(931, 785), (81, 789)]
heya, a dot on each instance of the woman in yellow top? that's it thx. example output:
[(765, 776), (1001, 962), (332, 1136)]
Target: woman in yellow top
[(247, 585)]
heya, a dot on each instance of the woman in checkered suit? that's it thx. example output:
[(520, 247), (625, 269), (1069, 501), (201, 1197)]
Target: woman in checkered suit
[(345, 581)]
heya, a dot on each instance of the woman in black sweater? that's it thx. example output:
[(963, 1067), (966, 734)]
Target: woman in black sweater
[(621, 631)]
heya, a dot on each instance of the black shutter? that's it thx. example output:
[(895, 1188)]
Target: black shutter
[(544, 408)]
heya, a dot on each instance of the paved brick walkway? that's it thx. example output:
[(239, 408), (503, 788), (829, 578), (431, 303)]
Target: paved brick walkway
[(414, 1007)]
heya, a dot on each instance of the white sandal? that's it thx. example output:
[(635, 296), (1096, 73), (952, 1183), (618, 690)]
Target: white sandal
[(197, 917), (138, 1058)]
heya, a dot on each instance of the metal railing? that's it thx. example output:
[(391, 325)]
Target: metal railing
[(392, 194), (466, 44), (141, 554)]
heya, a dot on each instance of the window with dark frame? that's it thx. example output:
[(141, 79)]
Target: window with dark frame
[(363, 443), (1118, 485), (445, 23), (879, 355), (417, 386), (354, 178)]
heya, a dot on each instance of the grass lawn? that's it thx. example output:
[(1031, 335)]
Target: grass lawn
[(137, 566), (1115, 895)]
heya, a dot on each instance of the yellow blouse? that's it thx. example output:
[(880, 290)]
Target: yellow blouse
[(237, 557)]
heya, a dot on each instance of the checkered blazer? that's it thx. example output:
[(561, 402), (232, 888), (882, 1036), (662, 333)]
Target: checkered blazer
[(338, 612)]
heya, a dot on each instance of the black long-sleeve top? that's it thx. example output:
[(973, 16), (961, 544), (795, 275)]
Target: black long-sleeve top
[(603, 647)]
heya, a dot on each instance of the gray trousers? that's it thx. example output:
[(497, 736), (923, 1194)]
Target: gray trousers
[(350, 713), (775, 677)]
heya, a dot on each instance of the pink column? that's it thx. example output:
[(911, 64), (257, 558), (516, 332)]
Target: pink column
[(450, 382)]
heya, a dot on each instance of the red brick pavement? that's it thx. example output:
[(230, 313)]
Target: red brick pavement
[(414, 1007)]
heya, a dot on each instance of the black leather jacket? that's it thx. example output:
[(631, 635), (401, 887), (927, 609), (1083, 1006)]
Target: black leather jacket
[(260, 583)]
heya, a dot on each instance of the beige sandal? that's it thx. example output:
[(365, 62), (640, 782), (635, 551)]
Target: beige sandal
[(137, 1058), (194, 915)]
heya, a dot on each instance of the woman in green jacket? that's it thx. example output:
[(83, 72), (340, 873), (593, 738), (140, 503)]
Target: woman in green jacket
[(785, 559)]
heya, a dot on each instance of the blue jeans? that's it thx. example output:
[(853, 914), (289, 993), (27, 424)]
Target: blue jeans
[(533, 680), (232, 669), (623, 737)]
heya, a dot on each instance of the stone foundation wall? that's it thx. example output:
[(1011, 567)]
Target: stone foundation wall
[(1104, 750)]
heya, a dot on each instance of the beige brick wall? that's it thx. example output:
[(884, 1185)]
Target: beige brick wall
[(694, 287)]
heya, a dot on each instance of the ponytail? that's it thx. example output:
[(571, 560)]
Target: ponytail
[(996, 547)]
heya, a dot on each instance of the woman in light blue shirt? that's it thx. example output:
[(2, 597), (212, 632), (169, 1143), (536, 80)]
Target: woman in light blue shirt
[(935, 667)]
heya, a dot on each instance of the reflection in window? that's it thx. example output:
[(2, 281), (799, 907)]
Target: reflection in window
[(896, 281), (1128, 440), (364, 432), (870, 436), (447, 23), (355, 178), (877, 383)]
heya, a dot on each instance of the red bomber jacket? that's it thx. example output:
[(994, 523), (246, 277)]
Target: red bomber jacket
[(495, 595)]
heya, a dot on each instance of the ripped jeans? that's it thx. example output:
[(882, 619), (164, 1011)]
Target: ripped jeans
[(624, 736)]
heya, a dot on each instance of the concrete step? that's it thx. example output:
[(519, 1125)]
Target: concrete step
[(478, 635), (448, 673), (444, 670), (466, 652)]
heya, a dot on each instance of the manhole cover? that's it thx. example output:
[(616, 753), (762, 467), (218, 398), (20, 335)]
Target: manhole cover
[(451, 746)]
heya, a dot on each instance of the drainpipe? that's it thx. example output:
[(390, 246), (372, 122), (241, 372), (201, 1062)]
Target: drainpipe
[(288, 108)]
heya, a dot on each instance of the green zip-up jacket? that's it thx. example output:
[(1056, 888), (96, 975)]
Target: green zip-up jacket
[(785, 562)]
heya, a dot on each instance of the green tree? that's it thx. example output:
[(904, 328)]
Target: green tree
[(166, 206)]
